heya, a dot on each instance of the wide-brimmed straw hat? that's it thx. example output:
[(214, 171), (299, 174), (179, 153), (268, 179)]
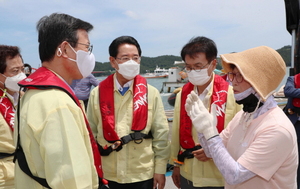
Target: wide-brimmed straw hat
[(262, 67)]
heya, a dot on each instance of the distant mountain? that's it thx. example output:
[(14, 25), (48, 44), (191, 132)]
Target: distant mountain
[(147, 64), (167, 61), (285, 53)]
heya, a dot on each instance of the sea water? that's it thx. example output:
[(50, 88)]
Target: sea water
[(157, 83)]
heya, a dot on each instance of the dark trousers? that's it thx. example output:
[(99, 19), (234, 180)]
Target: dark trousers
[(147, 184), (187, 184), (85, 103)]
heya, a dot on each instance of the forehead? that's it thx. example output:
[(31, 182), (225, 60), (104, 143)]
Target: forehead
[(199, 58), (14, 62), (127, 49)]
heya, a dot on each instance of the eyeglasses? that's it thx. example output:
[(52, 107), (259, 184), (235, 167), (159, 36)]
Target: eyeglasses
[(88, 46), (238, 77), (197, 68), (125, 59)]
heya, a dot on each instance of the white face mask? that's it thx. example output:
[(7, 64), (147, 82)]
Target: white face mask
[(11, 83), (244, 94), (85, 62), (129, 69), (199, 78)]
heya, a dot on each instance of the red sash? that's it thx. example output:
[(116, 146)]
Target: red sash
[(7, 109), (219, 97), (296, 101), (43, 79), (140, 104)]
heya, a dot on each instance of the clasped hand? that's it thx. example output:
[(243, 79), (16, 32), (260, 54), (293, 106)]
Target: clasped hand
[(203, 121)]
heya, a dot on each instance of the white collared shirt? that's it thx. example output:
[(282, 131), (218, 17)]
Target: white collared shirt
[(120, 88), (203, 96)]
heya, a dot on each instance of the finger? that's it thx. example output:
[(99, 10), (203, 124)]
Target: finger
[(188, 101), (161, 186), (188, 105), (194, 113), (194, 96), (188, 109), (197, 107), (176, 181), (199, 151), (201, 158), (154, 184)]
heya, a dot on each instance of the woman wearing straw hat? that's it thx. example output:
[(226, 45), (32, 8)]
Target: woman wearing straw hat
[(259, 146)]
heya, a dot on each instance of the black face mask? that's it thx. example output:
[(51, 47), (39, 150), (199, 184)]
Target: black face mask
[(249, 103)]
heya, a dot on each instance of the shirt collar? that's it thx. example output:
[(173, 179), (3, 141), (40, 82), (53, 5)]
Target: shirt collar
[(205, 92), (119, 87), (13, 98)]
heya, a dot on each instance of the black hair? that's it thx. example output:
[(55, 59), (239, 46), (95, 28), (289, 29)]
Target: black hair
[(56, 28), (200, 45), (114, 46)]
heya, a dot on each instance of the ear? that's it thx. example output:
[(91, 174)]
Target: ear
[(64, 48), (113, 62), (214, 63)]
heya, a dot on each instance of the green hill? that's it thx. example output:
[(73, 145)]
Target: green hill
[(167, 61), (285, 53)]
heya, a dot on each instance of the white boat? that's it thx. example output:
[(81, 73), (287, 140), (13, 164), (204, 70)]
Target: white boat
[(175, 77), (158, 73)]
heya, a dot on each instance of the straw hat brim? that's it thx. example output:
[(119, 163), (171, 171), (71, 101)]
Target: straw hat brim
[(262, 67)]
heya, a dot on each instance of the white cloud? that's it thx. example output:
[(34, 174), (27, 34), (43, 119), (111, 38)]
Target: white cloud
[(131, 14), (161, 27)]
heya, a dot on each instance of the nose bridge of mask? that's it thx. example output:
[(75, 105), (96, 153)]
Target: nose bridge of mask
[(19, 76), (131, 62), (130, 65)]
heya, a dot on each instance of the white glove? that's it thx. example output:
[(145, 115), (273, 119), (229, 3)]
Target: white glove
[(203, 121)]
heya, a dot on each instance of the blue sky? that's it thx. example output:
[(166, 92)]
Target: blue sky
[(162, 27)]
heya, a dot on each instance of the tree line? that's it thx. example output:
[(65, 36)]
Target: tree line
[(148, 64)]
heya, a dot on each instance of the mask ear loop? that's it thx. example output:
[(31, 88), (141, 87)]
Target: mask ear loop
[(59, 52), (117, 64)]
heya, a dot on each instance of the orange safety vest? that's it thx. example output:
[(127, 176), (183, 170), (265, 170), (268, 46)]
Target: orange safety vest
[(219, 97), (140, 104)]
